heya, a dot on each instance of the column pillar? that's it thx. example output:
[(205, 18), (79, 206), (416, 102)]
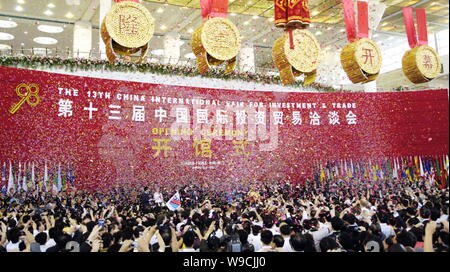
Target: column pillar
[(105, 5), (172, 48), (82, 39)]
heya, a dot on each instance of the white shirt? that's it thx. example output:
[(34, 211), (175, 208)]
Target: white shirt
[(255, 240), (387, 230), (50, 243), (181, 224), (319, 235), (287, 245), (443, 218), (265, 249), (11, 247), (157, 197), (188, 250), (274, 230)]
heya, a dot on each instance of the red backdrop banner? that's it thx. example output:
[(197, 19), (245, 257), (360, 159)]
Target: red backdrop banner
[(113, 132)]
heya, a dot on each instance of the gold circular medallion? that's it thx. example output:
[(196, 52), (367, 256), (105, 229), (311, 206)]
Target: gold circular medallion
[(130, 24), (305, 55), (428, 62), (220, 38), (368, 56)]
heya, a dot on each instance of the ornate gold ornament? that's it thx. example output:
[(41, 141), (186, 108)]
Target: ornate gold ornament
[(126, 30), (302, 59), (215, 42)]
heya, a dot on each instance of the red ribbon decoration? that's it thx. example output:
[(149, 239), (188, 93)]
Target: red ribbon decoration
[(219, 8), (213, 8), (205, 6), (363, 19), (409, 26), (291, 39), (349, 18), (422, 26)]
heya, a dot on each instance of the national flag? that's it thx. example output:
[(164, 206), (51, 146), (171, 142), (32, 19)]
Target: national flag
[(24, 178), (11, 184), (443, 172), (45, 178), (174, 202), (446, 163), (395, 170), (55, 180), (4, 174), (19, 177), (352, 169), (422, 172), (33, 185), (322, 173), (59, 184)]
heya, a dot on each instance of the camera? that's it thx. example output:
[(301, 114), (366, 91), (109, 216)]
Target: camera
[(234, 245)]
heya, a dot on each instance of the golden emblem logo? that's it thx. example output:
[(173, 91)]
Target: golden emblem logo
[(27, 93)]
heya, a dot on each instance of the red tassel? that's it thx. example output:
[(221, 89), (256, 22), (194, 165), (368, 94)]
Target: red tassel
[(291, 39)]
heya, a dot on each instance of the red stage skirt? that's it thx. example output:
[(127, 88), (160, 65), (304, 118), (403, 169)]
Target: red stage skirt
[(293, 13)]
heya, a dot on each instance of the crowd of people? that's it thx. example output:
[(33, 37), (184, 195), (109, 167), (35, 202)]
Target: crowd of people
[(342, 216)]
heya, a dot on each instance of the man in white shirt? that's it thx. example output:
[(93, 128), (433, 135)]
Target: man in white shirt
[(254, 238), (13, 240), (266, 240), (286, 231), (318, 232)]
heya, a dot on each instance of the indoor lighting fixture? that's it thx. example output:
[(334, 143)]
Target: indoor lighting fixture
[(20, 1), (50, 29), (19, 8), (160, 10), (5, 47), (51, 5), (163, 27), (69, 15), (6, 36), (246, 22), (265, 40), (271, 19), (45, 40), (232, 14), (7, 24), (190, 30), (255, 17), (318, 33), (48, 12)]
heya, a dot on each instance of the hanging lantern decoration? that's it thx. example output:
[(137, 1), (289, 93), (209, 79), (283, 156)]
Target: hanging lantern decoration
[(361, 58), (297, 52), (127, 29), (421, 64), (217, 40)]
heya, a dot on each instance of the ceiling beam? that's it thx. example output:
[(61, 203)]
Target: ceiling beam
[(90, 11), (186, 21), (400, 11)]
